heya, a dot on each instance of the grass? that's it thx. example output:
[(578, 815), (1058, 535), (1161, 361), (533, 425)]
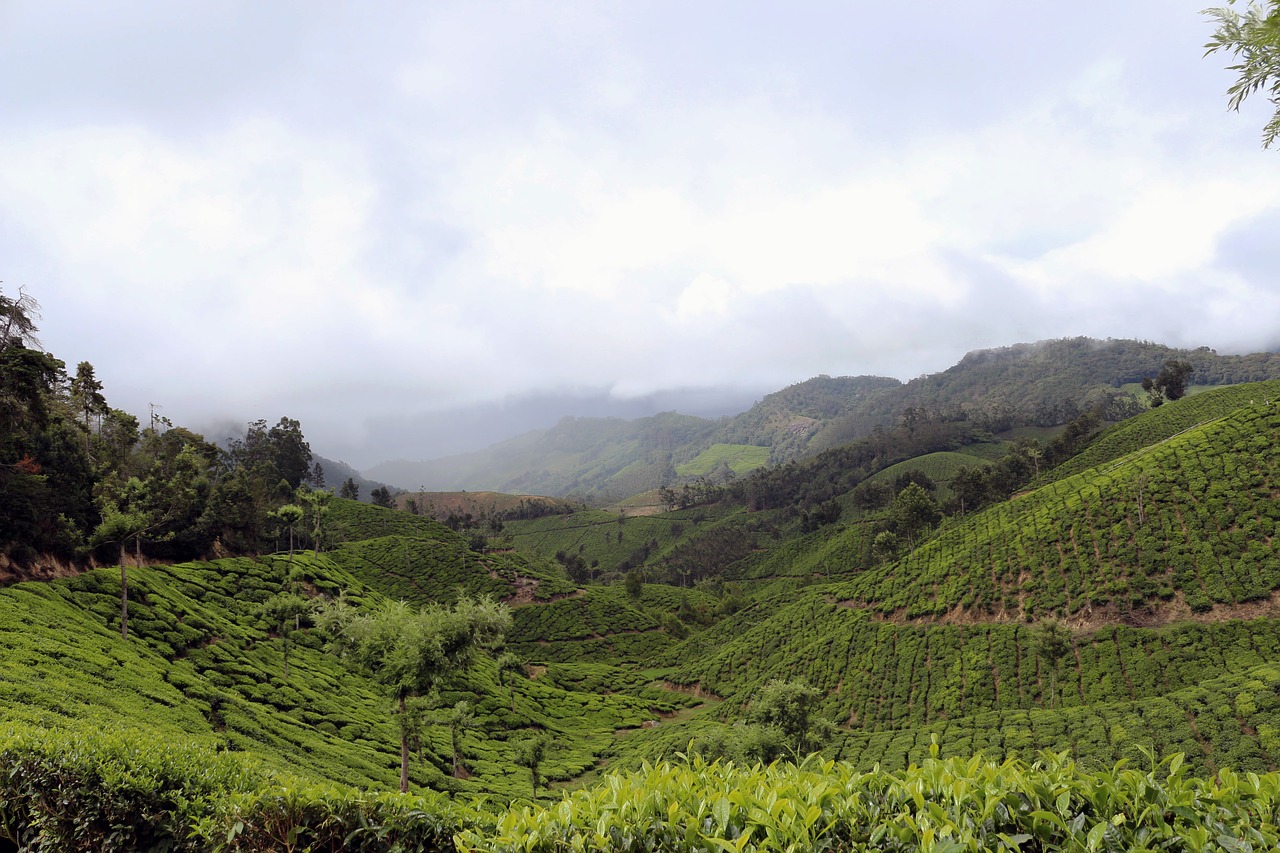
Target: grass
[(739, 458)]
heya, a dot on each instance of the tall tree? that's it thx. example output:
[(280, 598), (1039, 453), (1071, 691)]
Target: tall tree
[(912, 512), (124, 518), (411, 652), (290, 452), (18, 320), (316, 502), (1052, 643), (510, 667), (87, 391), (1252, 38), (350, 490), (1170, 383), (460, 718), (289, 517)]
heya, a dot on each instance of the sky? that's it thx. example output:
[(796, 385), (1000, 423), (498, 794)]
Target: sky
[(421, 227)]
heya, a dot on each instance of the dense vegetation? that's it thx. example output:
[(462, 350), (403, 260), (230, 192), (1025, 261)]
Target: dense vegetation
[(1045, 384), (930, 605)]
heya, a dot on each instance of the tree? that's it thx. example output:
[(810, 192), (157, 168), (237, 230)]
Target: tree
[(381, 496), (316, 503), (529, 753), (350, 490), (167, 500), (510, 667), (1052, 642), (459, 719), (970, 485), (290, 452), (119, 525), (289, 517), (284, 609), (1170, 383), (790, 706), (17, 320), (87, 391), (411, 652), (912, 512), (1253, 39)]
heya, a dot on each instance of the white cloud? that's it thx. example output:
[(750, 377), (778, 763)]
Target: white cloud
[(425, 206), (706, 296)]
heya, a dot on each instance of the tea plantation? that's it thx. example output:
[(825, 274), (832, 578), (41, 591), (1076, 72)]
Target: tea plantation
[(1093, 664)]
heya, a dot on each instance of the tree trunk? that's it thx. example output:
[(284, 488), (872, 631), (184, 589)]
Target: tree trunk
[(404, 750), (124, 597)]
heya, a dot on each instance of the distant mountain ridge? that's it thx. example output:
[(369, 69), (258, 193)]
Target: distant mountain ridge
[(602, 459)]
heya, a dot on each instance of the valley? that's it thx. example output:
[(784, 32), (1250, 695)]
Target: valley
[(969, 588)]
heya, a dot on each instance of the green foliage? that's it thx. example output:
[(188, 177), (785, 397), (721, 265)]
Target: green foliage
[(412, 652), (790, 707), (130, 791), (1252, 38), (738, 458), (81, 789), (949, 804), (1175, 519), (381, 496)]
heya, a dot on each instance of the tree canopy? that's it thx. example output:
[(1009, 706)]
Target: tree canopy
[(412, 651)]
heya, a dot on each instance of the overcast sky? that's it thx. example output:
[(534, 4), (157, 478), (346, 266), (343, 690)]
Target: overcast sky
[(367, 215)]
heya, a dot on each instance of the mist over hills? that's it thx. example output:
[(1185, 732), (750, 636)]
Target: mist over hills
[(1044, 383)]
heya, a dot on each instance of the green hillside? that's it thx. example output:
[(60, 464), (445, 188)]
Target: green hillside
[(738, 458), (1044, 384), (928, 606), (1191, 518), (604, 458)]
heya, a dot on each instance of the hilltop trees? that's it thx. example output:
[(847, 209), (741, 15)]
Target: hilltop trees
[(18, 320), (86, 390), (412, 652), (1170, 383)]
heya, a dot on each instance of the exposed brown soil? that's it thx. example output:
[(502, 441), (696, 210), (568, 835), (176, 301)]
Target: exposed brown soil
[(1091, 618), (527, 589), (695, 689), (43, 569)]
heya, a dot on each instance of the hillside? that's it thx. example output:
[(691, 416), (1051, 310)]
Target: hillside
[(607, 458), (204, 665), (968, 582), (1044, 384)]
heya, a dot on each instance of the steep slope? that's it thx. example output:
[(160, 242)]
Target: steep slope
[(1162, 563), (203, 665), (1191, 518)]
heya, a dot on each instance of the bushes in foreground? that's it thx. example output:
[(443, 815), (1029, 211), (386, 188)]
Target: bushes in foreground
[(79, 790), (82, 791)]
